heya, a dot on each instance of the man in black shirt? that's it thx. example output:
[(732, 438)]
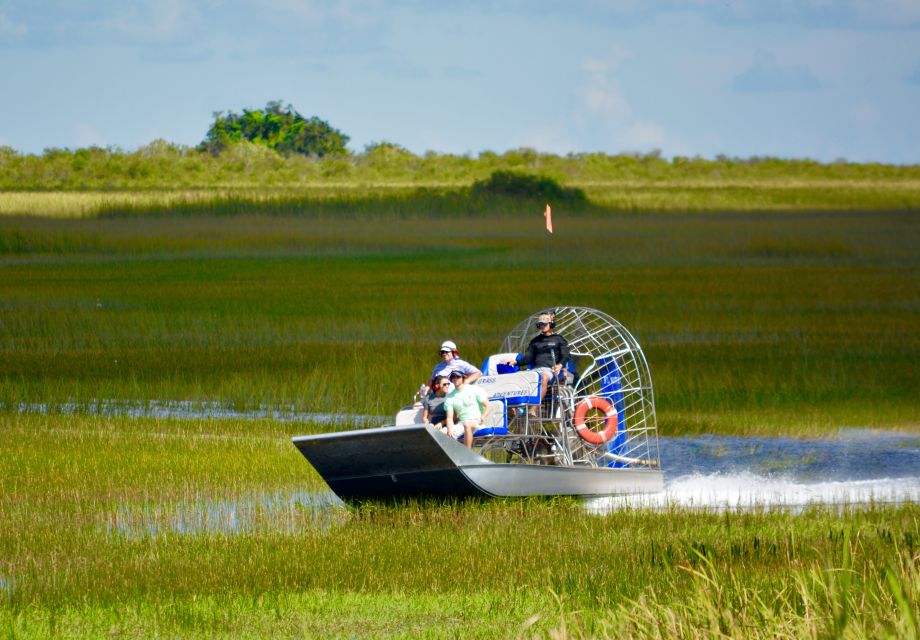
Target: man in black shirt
[(547, 351)]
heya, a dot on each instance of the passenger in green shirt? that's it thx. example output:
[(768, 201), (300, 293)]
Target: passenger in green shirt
[(466, 404)]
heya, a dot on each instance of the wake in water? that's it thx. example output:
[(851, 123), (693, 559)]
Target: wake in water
[(719, 472), (749, 491)]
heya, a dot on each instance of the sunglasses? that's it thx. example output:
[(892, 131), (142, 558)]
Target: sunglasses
[(540, 325)]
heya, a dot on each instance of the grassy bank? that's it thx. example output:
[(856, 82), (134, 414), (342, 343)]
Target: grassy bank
[(390, 180), (752, 322), (161, 165), (158, 528)]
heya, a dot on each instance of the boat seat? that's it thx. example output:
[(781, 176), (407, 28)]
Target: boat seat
[(496, 421), (492, 366), (409, 415)]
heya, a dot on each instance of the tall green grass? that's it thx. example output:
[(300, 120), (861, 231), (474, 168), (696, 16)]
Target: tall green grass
[(98, 536), (792, 323), (751, 322), (434, 198)]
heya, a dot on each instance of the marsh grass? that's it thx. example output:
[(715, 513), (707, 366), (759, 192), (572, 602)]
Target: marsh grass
[(752, 323), (789, 323), (754, 195), (484, 569), (433, 198)]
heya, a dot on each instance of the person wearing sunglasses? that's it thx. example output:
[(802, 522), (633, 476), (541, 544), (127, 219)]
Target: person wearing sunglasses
[(467, 408), (451, 361), (433, 410), (546, 353)]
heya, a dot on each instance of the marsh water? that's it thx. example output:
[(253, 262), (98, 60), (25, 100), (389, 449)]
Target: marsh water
[(851, 467), (190, 410), (726, 472)]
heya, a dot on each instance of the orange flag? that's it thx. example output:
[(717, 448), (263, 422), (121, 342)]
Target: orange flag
[(548, 214)]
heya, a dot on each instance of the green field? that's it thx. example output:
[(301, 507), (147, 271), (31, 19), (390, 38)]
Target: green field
[(752, 322), (153, 528), (777, 322)]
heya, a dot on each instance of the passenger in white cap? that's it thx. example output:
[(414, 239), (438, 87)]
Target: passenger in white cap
[(451, 361)]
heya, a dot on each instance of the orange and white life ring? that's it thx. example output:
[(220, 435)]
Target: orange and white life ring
[(610, 423)]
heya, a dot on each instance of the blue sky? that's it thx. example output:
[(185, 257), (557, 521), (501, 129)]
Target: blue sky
[(821, 79)]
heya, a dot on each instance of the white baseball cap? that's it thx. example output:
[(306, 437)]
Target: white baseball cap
[(448, 345)]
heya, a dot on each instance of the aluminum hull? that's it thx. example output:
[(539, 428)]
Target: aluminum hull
[(418, 461)]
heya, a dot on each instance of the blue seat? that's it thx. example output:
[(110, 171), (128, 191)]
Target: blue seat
[(492, 365), (491, 431), (499, 426)]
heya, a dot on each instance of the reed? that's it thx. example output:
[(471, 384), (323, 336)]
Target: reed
[(752, 323), (142, 527), (327, 287), (446, 199)]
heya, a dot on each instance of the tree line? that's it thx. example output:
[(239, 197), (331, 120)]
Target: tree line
[(278, 146)]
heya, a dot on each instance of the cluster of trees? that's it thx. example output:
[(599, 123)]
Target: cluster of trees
[(279, 128)]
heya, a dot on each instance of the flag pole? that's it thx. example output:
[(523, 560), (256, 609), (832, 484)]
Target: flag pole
[(548, 214)]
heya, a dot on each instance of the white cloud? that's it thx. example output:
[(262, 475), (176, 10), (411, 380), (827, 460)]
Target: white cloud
[(168, 17), (603, 67), (604, 107), (606, 101), (601, 96), (766, 74)]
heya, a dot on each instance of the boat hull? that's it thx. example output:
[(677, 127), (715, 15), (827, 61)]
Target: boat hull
[(418, 461)]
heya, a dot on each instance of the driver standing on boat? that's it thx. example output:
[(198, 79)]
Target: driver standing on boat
[(546, 353), (469, 404), (450, 362)]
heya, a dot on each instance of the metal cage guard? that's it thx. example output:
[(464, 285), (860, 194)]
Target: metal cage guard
[(609, 365)]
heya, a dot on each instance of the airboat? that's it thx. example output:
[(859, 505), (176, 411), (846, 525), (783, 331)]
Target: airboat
[(593, 432)]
